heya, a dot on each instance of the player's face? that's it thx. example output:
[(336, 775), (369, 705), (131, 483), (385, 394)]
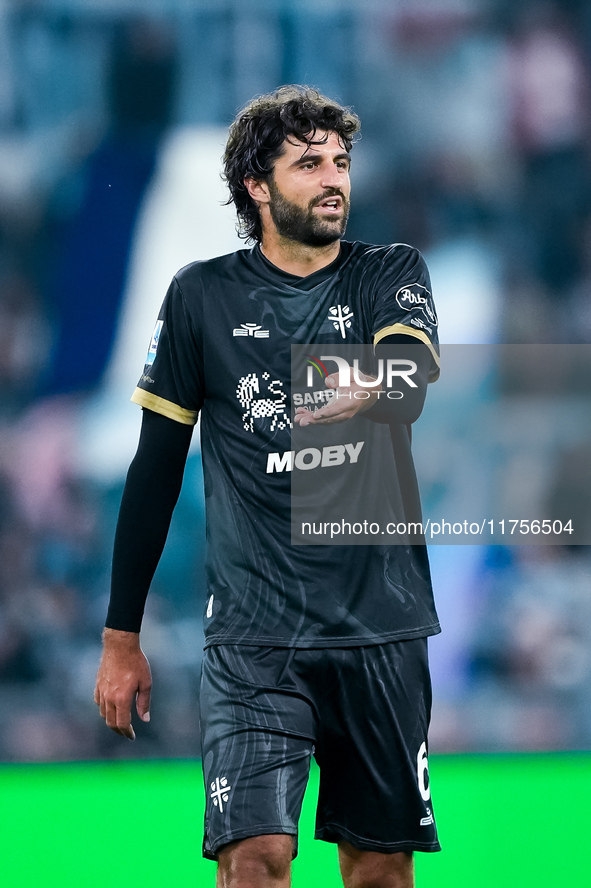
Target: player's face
[(309, 191)]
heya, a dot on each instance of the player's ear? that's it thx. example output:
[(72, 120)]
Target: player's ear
[(258, 190)]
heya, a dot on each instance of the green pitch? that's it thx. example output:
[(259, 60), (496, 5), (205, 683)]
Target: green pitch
[(515, 821)]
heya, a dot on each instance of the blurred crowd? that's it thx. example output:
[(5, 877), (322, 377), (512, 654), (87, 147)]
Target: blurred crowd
[(476, 148)]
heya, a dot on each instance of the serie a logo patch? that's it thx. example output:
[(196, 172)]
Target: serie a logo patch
[(154, 342)]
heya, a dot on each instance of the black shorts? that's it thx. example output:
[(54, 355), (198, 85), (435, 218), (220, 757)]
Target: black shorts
[(363, 712)]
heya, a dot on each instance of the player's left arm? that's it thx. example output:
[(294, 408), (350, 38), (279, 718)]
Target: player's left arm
[(402, 402), (404, 329)]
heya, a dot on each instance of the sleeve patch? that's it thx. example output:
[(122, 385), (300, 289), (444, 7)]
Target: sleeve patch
[(413, 297), (154, 343)]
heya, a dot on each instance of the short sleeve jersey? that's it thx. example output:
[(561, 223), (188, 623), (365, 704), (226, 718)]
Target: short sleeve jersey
[(222, 348)]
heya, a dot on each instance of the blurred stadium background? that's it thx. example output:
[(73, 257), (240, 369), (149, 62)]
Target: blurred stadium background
[(476, 148)]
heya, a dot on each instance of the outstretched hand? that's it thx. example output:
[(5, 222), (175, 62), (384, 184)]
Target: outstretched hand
[(346, 402), (123, 675)]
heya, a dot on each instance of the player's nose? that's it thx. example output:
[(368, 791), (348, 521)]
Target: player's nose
[(332, 177)]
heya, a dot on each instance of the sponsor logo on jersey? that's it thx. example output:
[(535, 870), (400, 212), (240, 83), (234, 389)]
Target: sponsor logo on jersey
[(312, 457), (340, 316), (415, 296), (320, 396), (220, 792), (254, 330), (154, 343), (209, 611), (263, 400)]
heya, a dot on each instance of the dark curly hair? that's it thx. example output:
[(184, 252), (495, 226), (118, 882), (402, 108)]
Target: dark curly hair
[(257, 135)]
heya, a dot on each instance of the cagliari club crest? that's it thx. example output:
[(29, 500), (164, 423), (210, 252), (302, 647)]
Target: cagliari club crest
[(340, 316)]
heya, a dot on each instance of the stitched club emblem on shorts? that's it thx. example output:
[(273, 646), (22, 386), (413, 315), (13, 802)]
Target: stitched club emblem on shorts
[(428, 820), (220, 791)]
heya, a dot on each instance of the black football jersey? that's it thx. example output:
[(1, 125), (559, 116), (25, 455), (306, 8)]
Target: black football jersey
[(222, 347)]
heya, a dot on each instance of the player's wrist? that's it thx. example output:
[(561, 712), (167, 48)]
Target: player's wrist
[(366, 403), (119, 638)]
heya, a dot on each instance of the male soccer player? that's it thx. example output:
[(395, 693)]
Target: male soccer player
[(310, 649)]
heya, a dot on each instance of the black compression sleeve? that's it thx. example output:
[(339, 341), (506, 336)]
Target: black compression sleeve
[(151, 491), (408, 408)]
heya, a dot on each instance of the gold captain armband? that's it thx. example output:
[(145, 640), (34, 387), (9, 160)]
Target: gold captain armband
[(166, 408)]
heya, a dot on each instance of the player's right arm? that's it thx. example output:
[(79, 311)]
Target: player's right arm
[(151, 491)]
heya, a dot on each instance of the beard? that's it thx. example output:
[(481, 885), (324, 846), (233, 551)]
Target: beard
[(301, 224)]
